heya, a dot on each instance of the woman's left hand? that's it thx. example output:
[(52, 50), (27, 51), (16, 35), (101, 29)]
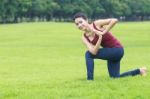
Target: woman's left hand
[(99, 33), (96, 31)]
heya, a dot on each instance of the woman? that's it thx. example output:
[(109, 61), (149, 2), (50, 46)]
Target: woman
[(96, 35)]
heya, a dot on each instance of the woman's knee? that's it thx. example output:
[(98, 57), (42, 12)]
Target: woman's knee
[(88, 54), (121, 54)]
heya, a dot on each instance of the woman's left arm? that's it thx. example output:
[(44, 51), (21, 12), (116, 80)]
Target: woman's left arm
[(108, 22)]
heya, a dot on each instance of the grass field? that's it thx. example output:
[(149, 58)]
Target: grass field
[(46, 61)]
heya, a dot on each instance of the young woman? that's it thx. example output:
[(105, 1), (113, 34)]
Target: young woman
[(97, 34)]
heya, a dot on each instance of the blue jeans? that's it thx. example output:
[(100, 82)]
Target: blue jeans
[(113, 57)]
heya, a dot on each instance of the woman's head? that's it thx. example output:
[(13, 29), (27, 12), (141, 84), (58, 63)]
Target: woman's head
[(81, 21)]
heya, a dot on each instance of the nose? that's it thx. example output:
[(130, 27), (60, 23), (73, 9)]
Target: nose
[(80, 26)]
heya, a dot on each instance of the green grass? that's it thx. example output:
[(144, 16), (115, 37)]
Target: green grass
[(46, 61)]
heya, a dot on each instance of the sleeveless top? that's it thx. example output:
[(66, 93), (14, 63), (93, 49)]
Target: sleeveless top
[(108, 40)]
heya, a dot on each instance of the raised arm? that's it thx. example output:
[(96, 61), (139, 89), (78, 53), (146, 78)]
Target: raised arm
[(109, 23), (92, 48)]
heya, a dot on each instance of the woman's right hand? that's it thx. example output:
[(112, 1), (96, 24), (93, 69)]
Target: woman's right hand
[(96, 31)]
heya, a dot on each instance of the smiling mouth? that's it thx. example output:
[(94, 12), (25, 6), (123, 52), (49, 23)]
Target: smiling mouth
[(80, 28)]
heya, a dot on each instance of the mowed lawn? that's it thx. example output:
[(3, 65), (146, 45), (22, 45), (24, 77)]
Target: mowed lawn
[(46, 61)]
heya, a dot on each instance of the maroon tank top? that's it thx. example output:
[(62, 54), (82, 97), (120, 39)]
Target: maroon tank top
[(108, 40)]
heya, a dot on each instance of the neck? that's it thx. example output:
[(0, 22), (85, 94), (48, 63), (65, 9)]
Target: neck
[(89, 31)]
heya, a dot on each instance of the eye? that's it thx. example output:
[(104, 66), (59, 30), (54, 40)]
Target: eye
[(79, 22), (76, 23)]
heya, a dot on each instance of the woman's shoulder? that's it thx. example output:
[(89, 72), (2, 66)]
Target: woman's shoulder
[(96, 26)]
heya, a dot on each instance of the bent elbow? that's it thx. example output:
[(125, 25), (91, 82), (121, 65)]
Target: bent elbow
[(94, 52), (115, 20)]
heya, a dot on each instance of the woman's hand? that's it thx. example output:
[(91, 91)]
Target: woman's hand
[(96, 31)]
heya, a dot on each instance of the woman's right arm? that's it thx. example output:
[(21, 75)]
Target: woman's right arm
[(92, 48)]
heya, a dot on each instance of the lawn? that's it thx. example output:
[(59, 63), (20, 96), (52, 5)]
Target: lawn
[(45, 60)]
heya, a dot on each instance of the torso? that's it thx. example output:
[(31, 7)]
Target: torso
[(108, 40)]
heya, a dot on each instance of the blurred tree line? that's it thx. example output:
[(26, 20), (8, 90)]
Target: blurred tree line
[(13, 11)]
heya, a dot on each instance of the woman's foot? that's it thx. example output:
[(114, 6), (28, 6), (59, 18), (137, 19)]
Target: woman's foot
[(143, 71)]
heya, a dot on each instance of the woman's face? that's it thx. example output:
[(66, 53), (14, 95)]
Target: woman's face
[(81, 23)]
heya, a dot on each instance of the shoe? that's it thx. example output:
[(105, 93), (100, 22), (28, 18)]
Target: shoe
[(143, 71)]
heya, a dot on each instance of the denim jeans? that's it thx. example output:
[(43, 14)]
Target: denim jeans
[(113, 57)]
